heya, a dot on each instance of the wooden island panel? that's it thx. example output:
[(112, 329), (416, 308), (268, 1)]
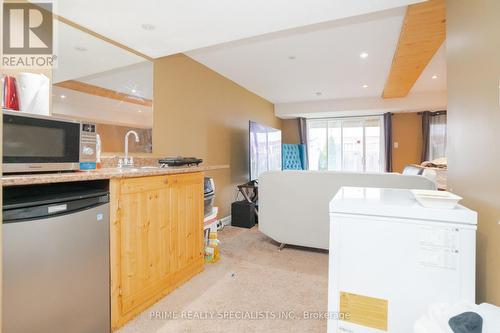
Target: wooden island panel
[(156, 239)]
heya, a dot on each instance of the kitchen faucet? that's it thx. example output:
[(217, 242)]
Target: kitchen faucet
[(128, 161)]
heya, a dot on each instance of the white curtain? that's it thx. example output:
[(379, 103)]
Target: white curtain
[(437, 136)]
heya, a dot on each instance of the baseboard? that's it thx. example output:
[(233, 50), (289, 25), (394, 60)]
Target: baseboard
[(225, 220)]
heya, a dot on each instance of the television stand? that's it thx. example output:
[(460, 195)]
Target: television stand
[(250, 192)]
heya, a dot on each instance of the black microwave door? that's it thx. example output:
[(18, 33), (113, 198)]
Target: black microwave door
[(38, 140)]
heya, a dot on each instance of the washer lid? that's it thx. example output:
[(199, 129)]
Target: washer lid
[(399, 203)]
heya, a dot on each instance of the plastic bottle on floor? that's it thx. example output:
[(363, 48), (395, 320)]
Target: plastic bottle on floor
[(212, 254)]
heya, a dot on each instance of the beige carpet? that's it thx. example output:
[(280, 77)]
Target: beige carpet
[(253, 288)]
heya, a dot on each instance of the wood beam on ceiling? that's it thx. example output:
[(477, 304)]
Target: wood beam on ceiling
[(88, 31), (103, 92), (101, 37), (423, 32)]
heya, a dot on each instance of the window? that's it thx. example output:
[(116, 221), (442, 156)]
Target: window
[(350, 144), (437, 136)]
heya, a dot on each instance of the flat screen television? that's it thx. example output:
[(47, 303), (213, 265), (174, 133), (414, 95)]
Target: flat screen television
[(264, 149)]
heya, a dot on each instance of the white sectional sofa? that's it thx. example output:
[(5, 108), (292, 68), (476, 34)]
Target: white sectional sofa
[(293, 205)]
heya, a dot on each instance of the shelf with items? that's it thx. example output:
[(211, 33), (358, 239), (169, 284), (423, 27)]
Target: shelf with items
[(210, 237)]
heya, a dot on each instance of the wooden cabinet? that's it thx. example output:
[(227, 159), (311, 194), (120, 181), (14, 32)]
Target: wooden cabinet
[(156, 239)]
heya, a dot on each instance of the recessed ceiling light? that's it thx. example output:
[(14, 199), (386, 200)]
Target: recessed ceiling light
[(291, 57), (363, 55), (139, 111), (148, 27), (80, 48), (434, 77), (319, 93), (63, 96), (365, 86), (134, 91)]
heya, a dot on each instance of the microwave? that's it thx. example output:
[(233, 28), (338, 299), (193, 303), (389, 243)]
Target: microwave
[(34, 143)]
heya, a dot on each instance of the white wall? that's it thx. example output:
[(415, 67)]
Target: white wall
[(362, 106)]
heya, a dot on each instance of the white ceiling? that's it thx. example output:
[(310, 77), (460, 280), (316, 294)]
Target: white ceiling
[(327, 59), (182, 25), (134, 80), (80, 54), (436, 67), (250, 43), (77, 105), (83, 57)]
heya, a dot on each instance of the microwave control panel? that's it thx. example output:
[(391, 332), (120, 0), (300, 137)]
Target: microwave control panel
[(88, 146)]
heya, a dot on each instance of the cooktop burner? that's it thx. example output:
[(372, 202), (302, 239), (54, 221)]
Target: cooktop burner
[(179, 161)]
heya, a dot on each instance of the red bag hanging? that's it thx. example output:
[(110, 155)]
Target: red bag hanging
[(11, 100)]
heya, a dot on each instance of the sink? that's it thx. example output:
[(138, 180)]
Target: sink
[(150, 167), (136, 169)]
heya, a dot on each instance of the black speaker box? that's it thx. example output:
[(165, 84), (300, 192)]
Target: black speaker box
[(243, 214)]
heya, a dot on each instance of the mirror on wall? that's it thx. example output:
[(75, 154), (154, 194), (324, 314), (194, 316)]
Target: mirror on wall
[(94, 79), (98, 81)]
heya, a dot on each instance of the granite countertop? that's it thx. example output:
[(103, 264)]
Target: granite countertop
[(105, 173)]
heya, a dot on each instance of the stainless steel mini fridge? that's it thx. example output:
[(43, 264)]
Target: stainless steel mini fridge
[(56, 260)]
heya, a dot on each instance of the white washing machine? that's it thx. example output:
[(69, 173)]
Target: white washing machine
[(390, 258)]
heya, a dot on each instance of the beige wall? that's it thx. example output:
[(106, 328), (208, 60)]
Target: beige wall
[(473, 48), (407, 132), (200, 113), (290, 131)]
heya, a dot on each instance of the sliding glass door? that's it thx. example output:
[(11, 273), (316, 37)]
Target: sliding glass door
[(350, 144), (374, 145)]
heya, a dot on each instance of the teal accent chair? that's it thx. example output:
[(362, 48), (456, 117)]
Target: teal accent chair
[(293, 157)]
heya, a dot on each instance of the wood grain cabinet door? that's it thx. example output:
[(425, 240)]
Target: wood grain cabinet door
[(145, 240), (186, 219), (161, 235)]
